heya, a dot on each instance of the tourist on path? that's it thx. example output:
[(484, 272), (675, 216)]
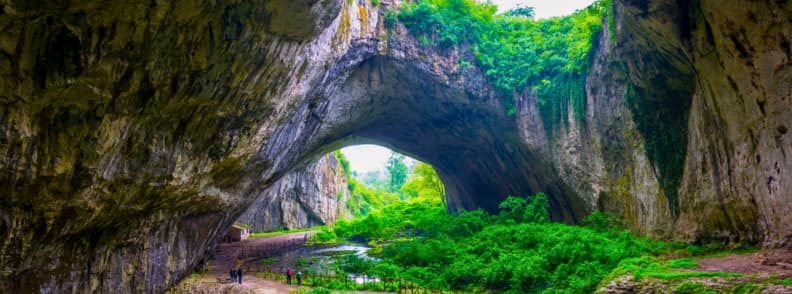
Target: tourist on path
[(239, 275), (289, 274), (299, 278), (232, 272)]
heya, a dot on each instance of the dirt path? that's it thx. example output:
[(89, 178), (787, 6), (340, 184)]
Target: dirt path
[(764, 263), (225, 258)]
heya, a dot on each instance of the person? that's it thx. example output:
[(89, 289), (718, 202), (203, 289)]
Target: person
[(299, 278), (232, 273), (288, 276), (239, 275)]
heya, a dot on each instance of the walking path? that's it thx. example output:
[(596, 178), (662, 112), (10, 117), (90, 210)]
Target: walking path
[(226, 255)]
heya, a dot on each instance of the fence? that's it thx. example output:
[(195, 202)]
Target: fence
[(345, 282)]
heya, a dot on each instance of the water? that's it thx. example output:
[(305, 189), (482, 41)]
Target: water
[(318, 259)]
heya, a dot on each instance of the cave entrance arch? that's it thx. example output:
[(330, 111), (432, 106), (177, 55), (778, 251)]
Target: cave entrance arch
[(455, 125)]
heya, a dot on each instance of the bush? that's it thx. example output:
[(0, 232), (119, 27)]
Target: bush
[(683, 263)]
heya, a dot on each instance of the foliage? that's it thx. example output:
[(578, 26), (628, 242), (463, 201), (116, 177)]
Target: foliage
[(317, 290), (268, 260), (375, 2), (683, 263), (344, 162), (397, 172), (364, 200), (521, 11), (652, 267), (424, 184), (690, 288), (551, 56), (602, 222), (516, 251), (525, 211), (325, 236), (283, 232), (391, 18)]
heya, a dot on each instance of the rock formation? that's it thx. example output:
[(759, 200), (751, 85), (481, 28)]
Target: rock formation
[(133, 133), (313, 195)]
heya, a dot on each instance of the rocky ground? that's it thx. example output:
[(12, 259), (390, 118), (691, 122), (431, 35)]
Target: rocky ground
[(763, 272)]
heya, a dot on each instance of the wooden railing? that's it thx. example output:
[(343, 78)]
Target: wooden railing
[(345, 282)]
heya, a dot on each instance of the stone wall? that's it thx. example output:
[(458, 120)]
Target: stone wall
[(308, 196)]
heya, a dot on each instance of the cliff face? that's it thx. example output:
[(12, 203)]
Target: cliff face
[(685, 135), (313, 195), (133, 134)]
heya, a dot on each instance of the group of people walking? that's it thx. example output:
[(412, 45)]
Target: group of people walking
[(290, 274)]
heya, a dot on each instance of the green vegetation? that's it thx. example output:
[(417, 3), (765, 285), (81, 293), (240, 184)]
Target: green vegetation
[(516, 251), (375, 194), (424, 184), (282, 232), (690, 288), (551, 57), (365, 199), (317, 290), (683, 263), (344, 162), (391, 18), (266, 261), (397, 172), (652, 267)]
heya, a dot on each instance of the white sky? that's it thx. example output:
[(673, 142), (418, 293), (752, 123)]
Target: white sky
[(363, 158), (545, 8)]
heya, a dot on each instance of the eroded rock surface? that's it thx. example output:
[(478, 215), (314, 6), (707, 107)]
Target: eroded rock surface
[(313, 195), (133, 133)]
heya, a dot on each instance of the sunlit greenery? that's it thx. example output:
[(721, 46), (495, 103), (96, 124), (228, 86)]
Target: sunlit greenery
[(516, 251), (549, 57), (397, 172), (424, 184)]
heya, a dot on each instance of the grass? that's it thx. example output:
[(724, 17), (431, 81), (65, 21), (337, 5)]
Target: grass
[(268, 260), (278, 233), (652, 267), (683, 263)]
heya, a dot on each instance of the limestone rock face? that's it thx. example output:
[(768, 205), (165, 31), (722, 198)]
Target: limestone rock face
[(313, 195), (133, 133)]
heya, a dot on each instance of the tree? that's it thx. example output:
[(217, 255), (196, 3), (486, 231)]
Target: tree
[(424, 184), (522, 11), (397, 172)]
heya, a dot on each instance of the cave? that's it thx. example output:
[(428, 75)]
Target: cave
[(458, 131), (134, 133)]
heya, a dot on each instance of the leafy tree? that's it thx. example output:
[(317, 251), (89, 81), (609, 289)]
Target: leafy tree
[(424, 184), (549, 57), (521, 11), (397, 172)]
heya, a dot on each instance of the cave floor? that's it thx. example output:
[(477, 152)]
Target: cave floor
[(764, 263), (225, 257)]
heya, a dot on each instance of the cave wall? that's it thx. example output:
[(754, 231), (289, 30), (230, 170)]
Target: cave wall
[(313, 195), (134, 133), (685, 134)]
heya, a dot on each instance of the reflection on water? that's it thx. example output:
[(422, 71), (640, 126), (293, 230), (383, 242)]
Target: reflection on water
[(318, 259)]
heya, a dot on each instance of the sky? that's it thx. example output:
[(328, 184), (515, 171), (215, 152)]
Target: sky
[(363, 158), (545, 8)]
